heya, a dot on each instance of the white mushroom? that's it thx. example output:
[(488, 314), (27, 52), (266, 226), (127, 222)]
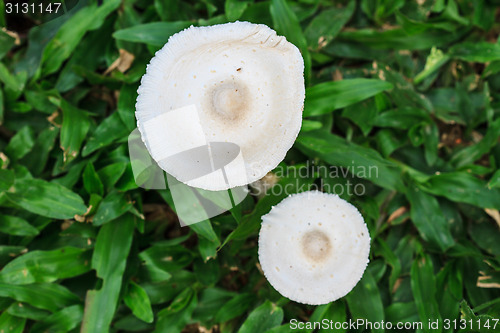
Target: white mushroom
[(313, 247), (236, 83)]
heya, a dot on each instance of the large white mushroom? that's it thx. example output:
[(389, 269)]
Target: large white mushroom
[(237, 84), (313, 247)]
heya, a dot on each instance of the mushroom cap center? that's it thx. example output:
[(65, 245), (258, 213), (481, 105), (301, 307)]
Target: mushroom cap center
[(229, 100), (316, 245)]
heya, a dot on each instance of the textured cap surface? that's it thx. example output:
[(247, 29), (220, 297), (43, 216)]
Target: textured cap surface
[(313, 247), (238, 83)]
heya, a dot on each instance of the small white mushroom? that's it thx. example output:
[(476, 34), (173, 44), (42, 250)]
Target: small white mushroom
[(313, 247), (236, 83)]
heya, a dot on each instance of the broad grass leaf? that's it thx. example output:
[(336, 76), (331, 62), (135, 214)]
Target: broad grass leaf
[(258, 12), (76, 124), (109, 260), (110, 174), (19, 107), (285, 328), (38, 37), (175, 317), (91, 181), (138, 301), (327, 24), (113, 81), (401, 311), (112, 246), (391, 259), (404, 93), (132, 324), (48, 296), (207, 271), (166, 257), (8, 251), (203, 228), (235, 307), (362, 114), (352, 50), (326, 97), (126, 106), (37, 158), (326, 314), (335, 311), (46, 266), (449, 286), (310, 125), (47, 199), (491, 69), (484, 14), (153, 33), (12, 82), (360, 161), (485, 234), (470, 266), (463, 187), (2, 16), (17, 226), (398, 39), (234, 9), (207, 249), (451, 13), (11, 324), (388, 141), (286, 23), (428, 218), (7, 178), (430, 133), (423, 285), (72, 176), (211, 299), (171, 10), (62, 321), (6, 42), (21, 143), (88, 53), (165, 290), (263, 318), (475, 51), (495, 180), (72, 31), (2, 107), (111, 207), (40, 100), (470, 154), (108, 131), (24, 310), (364, 301), (380, 10), (487, 322), (412, 26)]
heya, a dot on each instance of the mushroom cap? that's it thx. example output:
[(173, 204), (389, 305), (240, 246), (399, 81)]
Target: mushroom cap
[(313, 247), (237, 83)]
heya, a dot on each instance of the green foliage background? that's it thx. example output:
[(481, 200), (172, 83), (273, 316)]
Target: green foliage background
[(411, 87)]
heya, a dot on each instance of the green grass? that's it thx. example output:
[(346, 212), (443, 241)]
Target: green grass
[(410, 88)]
